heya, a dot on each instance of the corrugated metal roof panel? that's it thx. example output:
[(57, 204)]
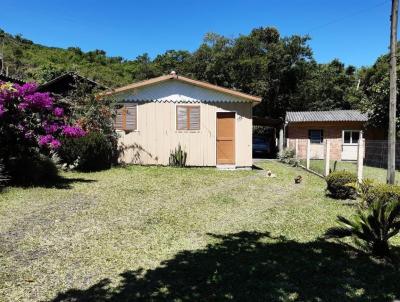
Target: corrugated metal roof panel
[(326, 116)]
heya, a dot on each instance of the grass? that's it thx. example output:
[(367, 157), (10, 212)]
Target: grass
[(377, 174), (169, 234)]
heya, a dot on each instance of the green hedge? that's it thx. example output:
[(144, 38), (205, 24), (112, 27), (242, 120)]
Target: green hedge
[(337, 184), (382, 193), (93, 152)]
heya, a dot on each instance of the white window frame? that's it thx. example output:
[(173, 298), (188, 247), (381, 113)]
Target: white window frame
[(351, 137), (322, 136)]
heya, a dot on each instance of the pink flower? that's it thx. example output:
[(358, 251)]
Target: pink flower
[(59, 112), (39, 100), (55, 144), (73, 131), (25, 89), (22, 106), (45, 139), (50, 128)]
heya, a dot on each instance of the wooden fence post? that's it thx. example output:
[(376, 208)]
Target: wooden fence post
[(327, 156), (308, 155), (360, 157), (296, 148)]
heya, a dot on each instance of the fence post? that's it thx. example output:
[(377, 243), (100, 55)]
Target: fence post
[(308, 155), (327, 157), (280, 140), (296, 147), (360, 157)]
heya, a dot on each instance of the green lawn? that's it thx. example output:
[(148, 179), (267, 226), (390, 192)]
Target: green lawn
[(167, 234), (377, 174)]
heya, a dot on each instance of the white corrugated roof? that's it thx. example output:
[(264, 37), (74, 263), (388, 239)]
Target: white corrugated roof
[(326, 116)]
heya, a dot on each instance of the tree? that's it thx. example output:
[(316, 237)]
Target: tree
[(373, 93)]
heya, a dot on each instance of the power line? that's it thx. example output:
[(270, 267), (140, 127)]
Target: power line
[(349, 16)]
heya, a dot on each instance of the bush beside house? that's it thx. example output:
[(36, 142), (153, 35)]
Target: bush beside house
[(31, 127), (93, 152), (98, 149), (338, 184)]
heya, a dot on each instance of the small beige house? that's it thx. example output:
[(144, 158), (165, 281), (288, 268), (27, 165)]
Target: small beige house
[(211, 123)]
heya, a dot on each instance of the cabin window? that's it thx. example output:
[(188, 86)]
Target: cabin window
[(351, 136), (188, 117), (126, 118), (316, 136)]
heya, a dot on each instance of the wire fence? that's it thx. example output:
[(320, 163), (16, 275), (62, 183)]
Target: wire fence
[(366, 158)]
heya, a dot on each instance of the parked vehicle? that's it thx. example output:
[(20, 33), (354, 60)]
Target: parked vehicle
[(261, 146)]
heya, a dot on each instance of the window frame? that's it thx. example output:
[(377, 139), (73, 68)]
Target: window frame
[(188, 109), (351, 137), (321, 136), (124, 111)]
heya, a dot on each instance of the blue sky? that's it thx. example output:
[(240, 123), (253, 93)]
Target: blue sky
[(355, 31)]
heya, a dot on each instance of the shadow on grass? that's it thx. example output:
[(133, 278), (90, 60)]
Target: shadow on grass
[(252, 266), (57, 182)]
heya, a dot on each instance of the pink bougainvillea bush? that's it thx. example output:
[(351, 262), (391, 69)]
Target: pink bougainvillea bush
[(31, 122)]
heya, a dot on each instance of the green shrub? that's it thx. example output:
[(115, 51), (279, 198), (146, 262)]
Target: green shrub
[(382, 193), (362, 188), (177, 157), (93, 152), (288, 156), (338, 184), (32, 170), (371, 228)]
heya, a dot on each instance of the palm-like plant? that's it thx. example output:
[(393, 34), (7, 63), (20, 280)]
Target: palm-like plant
[(371, 228)]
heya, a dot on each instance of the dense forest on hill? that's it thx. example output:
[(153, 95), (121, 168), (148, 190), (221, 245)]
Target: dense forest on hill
[(280, 69)]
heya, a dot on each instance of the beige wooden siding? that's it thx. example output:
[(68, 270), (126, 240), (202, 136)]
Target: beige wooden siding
[(157, 134)]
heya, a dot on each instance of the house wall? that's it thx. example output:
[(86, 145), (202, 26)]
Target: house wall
[(332, 131), (156, 134)]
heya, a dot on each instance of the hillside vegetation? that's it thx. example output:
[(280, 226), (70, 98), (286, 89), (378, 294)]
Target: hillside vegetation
[(282, 70)]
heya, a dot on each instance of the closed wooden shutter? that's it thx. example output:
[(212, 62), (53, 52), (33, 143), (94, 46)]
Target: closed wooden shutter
[(118, 124), (181, 117), (188, 117), (131, 117), (194, 118), (126, 118)]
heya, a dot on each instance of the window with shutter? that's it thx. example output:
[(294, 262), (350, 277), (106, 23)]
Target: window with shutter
[(118, 119), (131, 117), (188, 117), (126, 118)]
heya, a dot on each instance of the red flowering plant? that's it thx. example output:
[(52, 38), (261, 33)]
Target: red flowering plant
[(30, 121)]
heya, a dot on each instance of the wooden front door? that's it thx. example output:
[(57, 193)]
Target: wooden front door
[(225, 138)]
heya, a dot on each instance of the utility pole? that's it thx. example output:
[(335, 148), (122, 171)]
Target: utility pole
[(391, 167), (2, 55)]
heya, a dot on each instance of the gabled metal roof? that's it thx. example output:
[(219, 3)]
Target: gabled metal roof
[(326, 116), (175, 77)]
